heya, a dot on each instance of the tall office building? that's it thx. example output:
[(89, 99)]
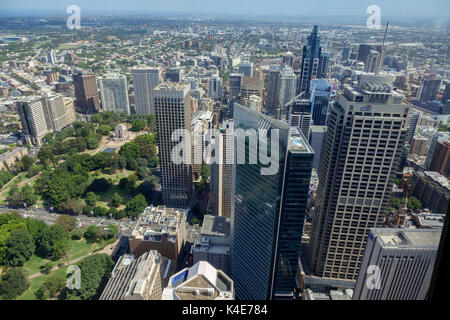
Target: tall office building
[(51, 57), (288, 59), (286, 86), (86, 92), (317, 138), (172, 109), (145, 79), (268, 210), (429, 89), (272, 88), (372, 61), (440, 161), (363, 51), (346, 53), (246, 68), (33, 119), (361, 153), (314, 62), (413, 119), (58, 115), (215, 87), (300, 115), (222, 173), (405, 258), (114, 93), (321, 94), (235, 84)]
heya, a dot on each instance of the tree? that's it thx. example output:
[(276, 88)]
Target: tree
[(136, 205), (73, 206), (99, 185), (111, 231), (414, 204), (13, 283), (396, 203), (20, 247), (77, 234), (67, 222), (47, 268), (50, 287), (138, 125), (60, 247), (116, 200), (100, 211), (27, 162), (93, 233), (91, 199), (104, 130), (46, 242), (95, 272)]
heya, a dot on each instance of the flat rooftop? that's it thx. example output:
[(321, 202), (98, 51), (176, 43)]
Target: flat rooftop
[(408, 238), (216, 226), (297, 142)]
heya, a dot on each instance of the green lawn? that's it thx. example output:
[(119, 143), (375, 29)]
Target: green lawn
[(78, 249), (36, 283)]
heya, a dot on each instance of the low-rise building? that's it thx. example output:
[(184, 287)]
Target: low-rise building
[(200, 282), (159, 228), (432, 189), (215, 243)]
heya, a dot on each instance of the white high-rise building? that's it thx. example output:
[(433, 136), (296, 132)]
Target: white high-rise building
[(145, 79), (114, 93), (360, 158), (33, 119), (286, 86), (397, 264)]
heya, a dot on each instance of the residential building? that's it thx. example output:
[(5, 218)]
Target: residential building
[(432, 189), (33, 119), (114, 93), (87, 99), (145, 79)]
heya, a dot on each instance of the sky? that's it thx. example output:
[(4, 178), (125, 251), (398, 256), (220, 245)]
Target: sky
[(290, 8)]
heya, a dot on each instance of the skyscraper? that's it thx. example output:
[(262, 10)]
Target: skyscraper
[(268, 210), (33, 119), (300, 115), (288, 59), (246, 68), (174, 74), (405, 258), (57, 114), (235, 84), (51, 57), (86, 92), (222, 173), (145, 79), (372, 61), (286, 86), (413, 119), (215, 87), (314, 62), (172, 109), (430, 87), (272, 88), (362, 149), (114, 93), (322, 94)]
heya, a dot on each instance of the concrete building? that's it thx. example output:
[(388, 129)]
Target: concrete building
[(413, 120), (429, 89), (405, 258), (58, 113), (286, 87), (317, 138), (121, 132), (321, 95), (272, 88), (432, 189), (440, 161), (360, 158), (222, 173), (419, 145), (201, 123), (300, 116), (145, 79), (246, 68), (114, 93), (142, 278), (251, 87), (9, 158), (174, 74), (214, 245), (33, 119), (172, 108), (235, 84), (199, 282), (161, 229), (87, 99), (372, 61)]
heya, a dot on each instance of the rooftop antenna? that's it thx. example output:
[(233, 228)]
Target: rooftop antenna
[(382, 50)]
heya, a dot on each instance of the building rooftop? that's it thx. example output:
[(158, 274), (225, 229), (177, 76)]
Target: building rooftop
[(407, 238), (200, 282), (157, 221), (216, 226), (437, 177), (297, 142)]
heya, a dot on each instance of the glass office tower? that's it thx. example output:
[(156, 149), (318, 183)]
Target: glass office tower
[(266, 218)]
